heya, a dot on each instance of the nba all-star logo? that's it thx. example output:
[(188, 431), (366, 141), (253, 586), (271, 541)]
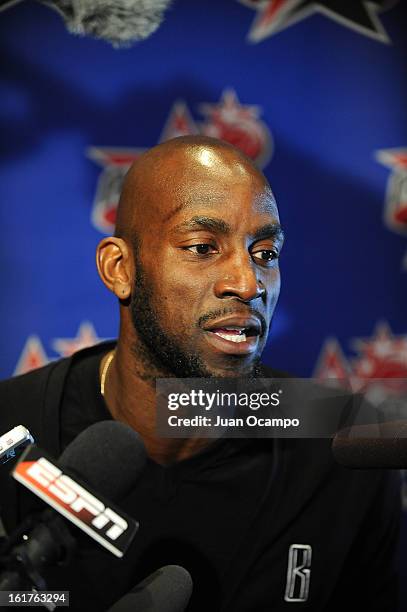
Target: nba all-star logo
[(383, 356), (228, 120), (395, 209), (33, 354), (273, 16)]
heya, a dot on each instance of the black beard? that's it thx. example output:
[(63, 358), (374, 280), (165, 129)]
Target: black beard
[(157, 350)]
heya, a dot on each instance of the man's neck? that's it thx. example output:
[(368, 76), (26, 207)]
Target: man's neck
[(129, 393)]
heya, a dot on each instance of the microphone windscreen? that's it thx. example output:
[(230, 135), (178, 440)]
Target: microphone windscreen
[(120, 22), (166, 590), (372, 446), (109, 455)]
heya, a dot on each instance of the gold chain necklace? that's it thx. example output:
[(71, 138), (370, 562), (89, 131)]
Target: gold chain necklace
[(105, 371)]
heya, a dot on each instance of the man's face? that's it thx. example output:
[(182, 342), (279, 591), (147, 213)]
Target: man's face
[(207, 274)]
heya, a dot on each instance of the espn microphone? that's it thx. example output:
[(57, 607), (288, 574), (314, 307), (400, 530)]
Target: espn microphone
[(98, 455), (166, 590), (119, 22), (375, 445)]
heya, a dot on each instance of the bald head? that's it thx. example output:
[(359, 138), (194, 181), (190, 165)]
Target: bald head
[(170, 176)]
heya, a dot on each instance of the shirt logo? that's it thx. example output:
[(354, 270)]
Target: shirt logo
[(298, 573)]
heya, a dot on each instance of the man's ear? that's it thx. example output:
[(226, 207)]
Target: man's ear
[(114, 265)]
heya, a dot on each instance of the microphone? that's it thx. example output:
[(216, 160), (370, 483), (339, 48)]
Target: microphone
[(166, 590), (119, 22), (98, 454), (378, 446), (109, 455), (14, 442)]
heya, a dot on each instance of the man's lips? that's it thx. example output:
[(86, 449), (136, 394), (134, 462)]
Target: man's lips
[(234, 335), (250, 326)]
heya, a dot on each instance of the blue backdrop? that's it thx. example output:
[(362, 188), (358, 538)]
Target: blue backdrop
[(316, 94)]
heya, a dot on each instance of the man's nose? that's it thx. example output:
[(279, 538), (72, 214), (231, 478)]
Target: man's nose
[(240, 279)]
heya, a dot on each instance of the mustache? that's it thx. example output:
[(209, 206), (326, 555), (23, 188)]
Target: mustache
[(222, 312)]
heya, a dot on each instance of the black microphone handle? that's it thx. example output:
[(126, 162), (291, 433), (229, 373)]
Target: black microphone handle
[(372, 445), (13, 581), (48, 543)]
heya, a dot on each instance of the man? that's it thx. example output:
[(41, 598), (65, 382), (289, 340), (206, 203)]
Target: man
[(260, 524)]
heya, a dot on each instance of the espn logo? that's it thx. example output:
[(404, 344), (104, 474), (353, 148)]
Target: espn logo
[(108, 526)]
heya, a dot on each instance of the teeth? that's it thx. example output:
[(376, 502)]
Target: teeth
[(232, 338)]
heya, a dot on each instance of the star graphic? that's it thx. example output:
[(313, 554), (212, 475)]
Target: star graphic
[(179, 122), (85, 337), (32, 356), (239, 125), (120, 157), (359, 15), (384, 355), (229, 109), (332, 363)]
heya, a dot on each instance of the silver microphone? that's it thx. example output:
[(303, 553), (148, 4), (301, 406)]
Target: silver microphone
[(14, 442)]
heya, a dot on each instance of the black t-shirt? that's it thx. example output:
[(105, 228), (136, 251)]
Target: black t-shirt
[(193, 513), (237, 515)]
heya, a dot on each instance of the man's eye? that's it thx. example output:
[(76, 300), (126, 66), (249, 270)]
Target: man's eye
[(201, 249), (266, 255)]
